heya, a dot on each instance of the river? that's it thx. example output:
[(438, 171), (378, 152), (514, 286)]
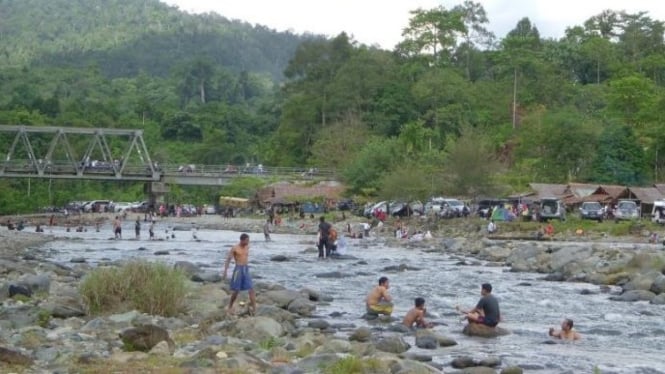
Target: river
[(617, 337)]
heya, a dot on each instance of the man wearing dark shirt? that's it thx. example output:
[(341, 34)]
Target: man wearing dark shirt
[(324, 233), (487, 310)]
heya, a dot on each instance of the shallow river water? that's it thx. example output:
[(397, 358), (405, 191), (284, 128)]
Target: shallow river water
[(617, 337)]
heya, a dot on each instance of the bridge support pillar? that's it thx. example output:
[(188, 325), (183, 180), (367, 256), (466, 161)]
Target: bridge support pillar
[(155, 192)]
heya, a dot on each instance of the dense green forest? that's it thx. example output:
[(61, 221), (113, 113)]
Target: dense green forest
[(453, 109)]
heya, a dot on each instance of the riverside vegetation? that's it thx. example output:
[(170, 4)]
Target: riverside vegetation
[(465, 113)]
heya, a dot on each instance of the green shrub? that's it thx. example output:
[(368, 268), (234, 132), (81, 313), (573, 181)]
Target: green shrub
[(356, 365), (152, 288)]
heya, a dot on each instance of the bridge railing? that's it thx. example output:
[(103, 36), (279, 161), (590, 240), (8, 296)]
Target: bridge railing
[(197, 170)]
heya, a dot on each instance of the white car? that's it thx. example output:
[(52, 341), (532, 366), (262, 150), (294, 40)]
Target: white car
[(122, 207)]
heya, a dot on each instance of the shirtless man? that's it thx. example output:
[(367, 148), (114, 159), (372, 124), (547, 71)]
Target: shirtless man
[(240, 280), (117, 228), (379, 300), (566, 332), (417, 315)]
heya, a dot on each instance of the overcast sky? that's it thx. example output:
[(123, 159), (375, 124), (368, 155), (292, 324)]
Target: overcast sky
[(381, 21)]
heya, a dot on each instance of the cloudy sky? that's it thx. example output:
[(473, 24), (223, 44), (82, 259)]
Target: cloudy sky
[(381, 21)]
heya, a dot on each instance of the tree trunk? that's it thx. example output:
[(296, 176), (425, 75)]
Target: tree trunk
[(202, 91)]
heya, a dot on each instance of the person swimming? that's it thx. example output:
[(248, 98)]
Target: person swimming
[(566, 332)]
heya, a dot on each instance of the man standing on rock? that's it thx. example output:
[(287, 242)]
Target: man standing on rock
[(486, 311), (241, 279), (379, 300)]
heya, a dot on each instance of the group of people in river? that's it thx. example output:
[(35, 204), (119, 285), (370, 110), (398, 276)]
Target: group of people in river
[(378, 300), (486, 312)]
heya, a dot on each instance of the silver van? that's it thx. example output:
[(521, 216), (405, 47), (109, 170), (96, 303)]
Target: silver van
[(551, 208)]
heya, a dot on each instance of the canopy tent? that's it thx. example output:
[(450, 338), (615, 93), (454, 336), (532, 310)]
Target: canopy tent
[(502, 214), (234, 202)]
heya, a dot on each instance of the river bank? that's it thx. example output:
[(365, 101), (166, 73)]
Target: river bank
[(289, 333)]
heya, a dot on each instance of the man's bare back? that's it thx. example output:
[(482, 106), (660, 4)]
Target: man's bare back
[(414, 315), (377, 295)]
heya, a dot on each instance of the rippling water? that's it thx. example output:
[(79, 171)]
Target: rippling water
[(617, 337)]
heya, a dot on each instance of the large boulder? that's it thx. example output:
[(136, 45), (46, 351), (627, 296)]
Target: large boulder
[(658, 285), (65, 307), (258, 328), (642, 281), (187, 268), (361, 334), (658, 300), (36, 283), (13, 357), (634, 295), (483, 331), (301, 306), (144, 338), (281, 298), (424, 336), (392, 344)]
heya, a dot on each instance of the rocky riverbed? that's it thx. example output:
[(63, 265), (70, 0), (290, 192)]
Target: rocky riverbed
[(51, 331)]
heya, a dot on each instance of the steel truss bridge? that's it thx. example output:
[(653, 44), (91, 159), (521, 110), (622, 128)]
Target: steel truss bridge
[(114, 154)]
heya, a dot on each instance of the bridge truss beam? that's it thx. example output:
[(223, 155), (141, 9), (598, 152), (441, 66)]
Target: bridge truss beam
[(75, 166)]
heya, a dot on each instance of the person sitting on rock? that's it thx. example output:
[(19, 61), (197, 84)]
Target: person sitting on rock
[(486, 311), (417, 315), (379, 300), (566, 332)]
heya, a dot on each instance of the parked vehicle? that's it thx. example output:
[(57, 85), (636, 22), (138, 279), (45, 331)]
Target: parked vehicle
[(210, 209), (346, 204), (592, 210), (399, 209), (456, 206), (96, 206), (121, 207), (417, 207), (658, 211), (626, 210), (551, 208)]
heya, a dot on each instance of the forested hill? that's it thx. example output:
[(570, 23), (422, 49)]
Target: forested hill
[(124, 37)]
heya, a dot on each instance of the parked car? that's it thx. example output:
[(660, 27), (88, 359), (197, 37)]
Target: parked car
[(592, 210), (97, 206), (551, 208), (346, 204), (658, 211), (121, 207), (626, 210), (210, 209)]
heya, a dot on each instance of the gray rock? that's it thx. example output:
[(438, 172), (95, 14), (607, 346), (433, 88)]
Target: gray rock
[(13, 357), (398, 327), (491, 361), (65, 308), (634, 295), (478, 370), (20, 316), (426, 341), (477, 329), (320, 324), (37, 283), (463, 362), (658, 300), (216, 340), (315, 362), (314, 295), (281, 298), (187, 268), (286, 369), (47, 354), (144, 338), (278, 314), (258, 328), (392, 344), (124, 317), (279, 258), (643, 281), (658, 285), (420, 357), (207, 277), (161, 252), (301, 307), (333, 274), (512, 370), (400, 267), (78, 260), (361, 334)]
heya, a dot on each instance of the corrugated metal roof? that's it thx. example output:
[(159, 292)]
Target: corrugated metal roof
[(548, 189), (646, 195)]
